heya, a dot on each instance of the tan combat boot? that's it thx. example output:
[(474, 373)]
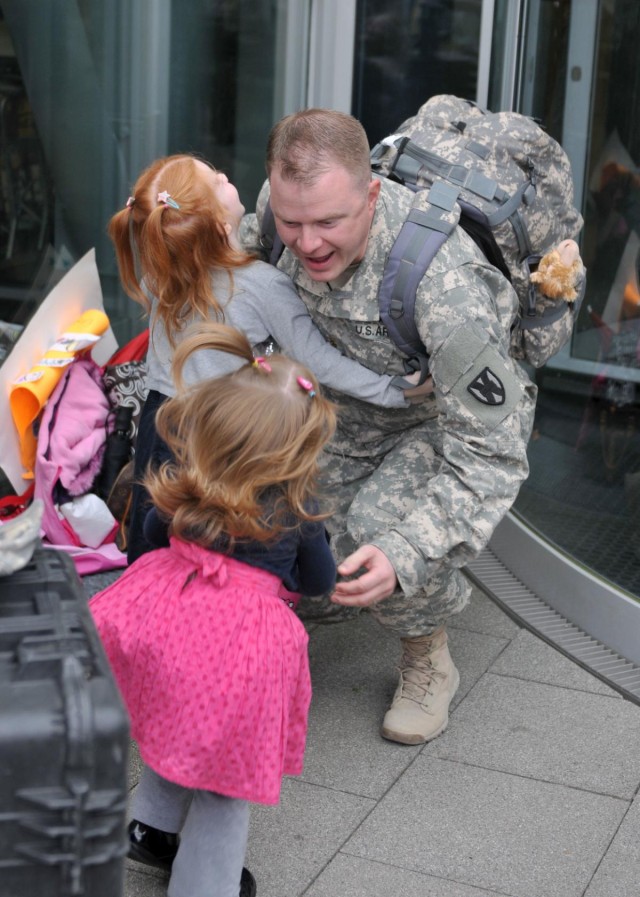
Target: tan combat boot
[(428, 681)]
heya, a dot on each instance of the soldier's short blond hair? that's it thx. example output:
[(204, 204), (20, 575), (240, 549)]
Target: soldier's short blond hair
[(306, 144)]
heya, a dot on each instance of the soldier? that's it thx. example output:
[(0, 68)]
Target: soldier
[(417, 491)]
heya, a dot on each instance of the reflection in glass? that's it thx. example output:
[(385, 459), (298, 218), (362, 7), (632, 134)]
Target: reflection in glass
[(583, 492), (408, 51), (90, 96), (25, 203)]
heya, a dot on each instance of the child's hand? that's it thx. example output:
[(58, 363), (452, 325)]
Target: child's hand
[(418, 393)]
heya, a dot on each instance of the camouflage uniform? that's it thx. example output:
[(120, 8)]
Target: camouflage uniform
[(429, 483)]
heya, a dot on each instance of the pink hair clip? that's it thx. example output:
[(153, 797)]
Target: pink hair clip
[(307, 386), (130, 201), (259, 362), (167, 200)]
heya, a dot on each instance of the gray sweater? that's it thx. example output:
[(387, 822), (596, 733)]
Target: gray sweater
[(263, 304)]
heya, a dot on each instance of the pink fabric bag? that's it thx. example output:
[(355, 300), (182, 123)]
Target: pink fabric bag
[(71, 444)]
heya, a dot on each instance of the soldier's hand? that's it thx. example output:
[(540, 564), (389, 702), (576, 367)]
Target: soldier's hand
[(376, 583)]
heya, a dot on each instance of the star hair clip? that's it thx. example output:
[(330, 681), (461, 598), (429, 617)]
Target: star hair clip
[(167, 200), (305, 384)]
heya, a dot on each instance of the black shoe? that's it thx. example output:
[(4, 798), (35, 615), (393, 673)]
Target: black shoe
[(151, 846), (247, 884), (155, 848)]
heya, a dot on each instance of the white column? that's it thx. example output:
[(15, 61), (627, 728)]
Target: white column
[(331, 50)]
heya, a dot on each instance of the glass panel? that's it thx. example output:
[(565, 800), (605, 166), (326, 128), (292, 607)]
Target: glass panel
[(91, 91), (408, 51), (584, 489), (504, 53)]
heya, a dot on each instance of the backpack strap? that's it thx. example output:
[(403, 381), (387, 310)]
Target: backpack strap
[(415, 247), (411, 161), (269, 239)]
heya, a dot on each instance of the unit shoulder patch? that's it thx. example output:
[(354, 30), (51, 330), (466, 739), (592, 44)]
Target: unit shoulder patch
[(487, 388), (469, 370)]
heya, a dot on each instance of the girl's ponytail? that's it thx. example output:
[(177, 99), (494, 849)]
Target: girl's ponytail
[(212, 336), (121, 230)]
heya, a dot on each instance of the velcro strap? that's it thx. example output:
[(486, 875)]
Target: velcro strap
[(443, 196)]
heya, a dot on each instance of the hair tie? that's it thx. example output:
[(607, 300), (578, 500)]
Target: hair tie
[(130, 201), (307, 386), (259, 362), (167, 200)]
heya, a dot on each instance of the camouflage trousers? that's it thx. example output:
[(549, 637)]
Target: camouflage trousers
[(369, 495)]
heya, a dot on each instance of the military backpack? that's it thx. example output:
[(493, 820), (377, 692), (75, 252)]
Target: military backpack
[(506, 182)]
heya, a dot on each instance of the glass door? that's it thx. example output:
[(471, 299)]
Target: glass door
[(580, 75), (408, 51), (91, 91)]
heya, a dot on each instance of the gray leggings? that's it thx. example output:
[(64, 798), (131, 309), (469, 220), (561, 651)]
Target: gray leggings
[(213, 834)]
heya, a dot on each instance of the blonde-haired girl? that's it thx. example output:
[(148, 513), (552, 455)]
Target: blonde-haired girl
[(207, 651)]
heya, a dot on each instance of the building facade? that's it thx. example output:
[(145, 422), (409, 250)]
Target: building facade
[(93, 90)]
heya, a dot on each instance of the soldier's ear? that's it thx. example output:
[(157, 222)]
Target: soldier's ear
[(373, 191)]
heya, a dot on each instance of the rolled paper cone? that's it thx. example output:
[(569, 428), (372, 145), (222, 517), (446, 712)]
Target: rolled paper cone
[(30, 392)]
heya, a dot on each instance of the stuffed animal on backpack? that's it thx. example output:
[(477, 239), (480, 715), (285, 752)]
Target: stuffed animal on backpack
[(559, 272)]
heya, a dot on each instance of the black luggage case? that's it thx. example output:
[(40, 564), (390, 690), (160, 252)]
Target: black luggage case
[(64, 738)]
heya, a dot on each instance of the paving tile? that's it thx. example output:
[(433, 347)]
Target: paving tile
[(290, 844), (352, 877), (344, 746), (483, 615), (361, 656), (554, 734), (95, 582), (529, 657), (488, 829), (619, 873), (473, 654), (135, 766), (143, 881), (354, 676), (358, 655)]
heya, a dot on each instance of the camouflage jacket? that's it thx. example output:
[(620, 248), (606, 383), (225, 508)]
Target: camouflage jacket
[(464, 311)]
